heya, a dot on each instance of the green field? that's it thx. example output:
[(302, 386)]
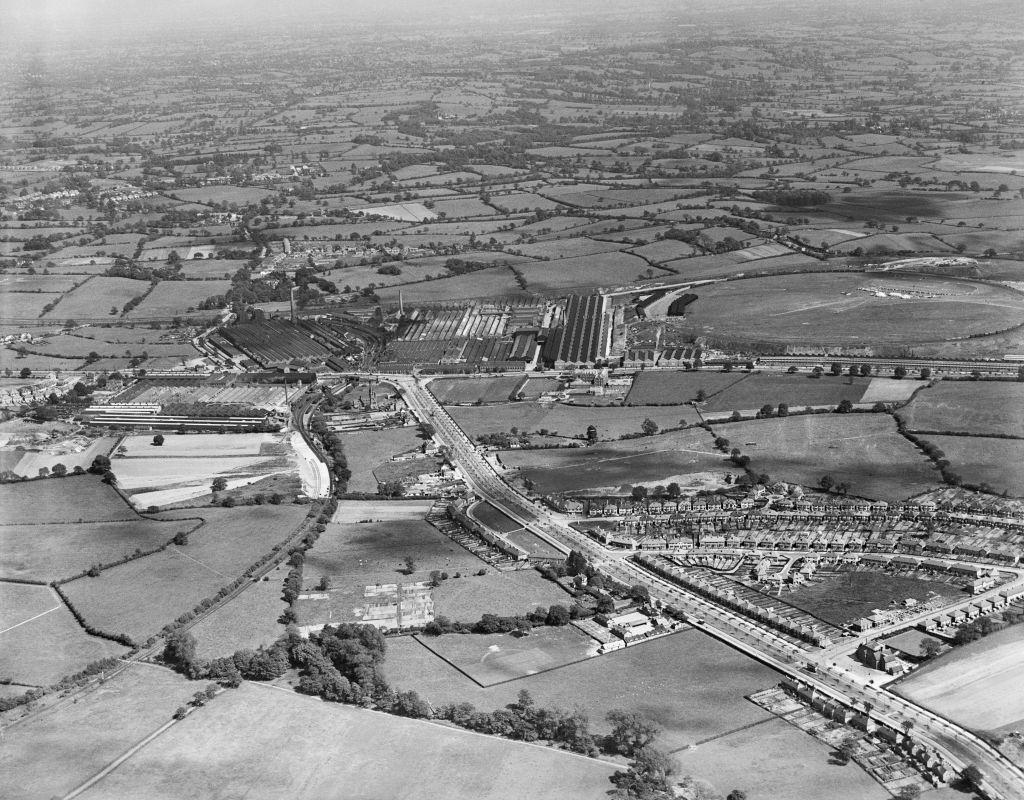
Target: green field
[(979, 407), (663, 387), (46, 758), (843, 308), (339, 751), (566, 420), (472, 390), (495, 658), (367, 450), (40, 641), (96, 296), (667, 680), (611, 467), (796, 391), (52, 552), (140, 597), (999, 463), (504, 593), (863, 450), (82, 498), (494, 518)]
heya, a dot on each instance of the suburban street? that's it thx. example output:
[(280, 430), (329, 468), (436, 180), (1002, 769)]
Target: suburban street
[(959, 746)]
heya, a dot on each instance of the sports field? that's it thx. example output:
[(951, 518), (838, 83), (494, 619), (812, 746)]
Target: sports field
[(853, 307), (559, 419), (665, 458), (863, 450), (500, 657), (976, 685), (667, 680), (333, 750), (979, 407)]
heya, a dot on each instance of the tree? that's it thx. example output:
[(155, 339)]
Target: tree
[(25, 372), (909, 792), (836, 368), (865, 370), (900, 372), (158, 440), (783, 410), (827, 482), (926, 373), (972, 776), (219, 484), (766, 411), (673, 490), (846, 750), (930, 648), (59, 470), (410, 565), (591, 434), (576, 563), (100, 465), (845, 406), (649, 427), (180, 649), (557, 615), (638, 492), (630, 732)]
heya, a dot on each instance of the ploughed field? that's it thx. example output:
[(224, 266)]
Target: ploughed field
[(848, 308)]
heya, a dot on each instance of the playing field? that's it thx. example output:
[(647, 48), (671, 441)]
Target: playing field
[(616, 466), (691, 685), (980, 407), (998, 463), (40, 641), (863, 450), (976, 685), (234, 747), (559, 419), (851, 307), (500, 657)]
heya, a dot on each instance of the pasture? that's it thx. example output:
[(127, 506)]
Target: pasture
[(665, 680), (358, 752), (682, 457), (368, 450), (796, 391), (600, 269), (40, 641), (492, 282), (473, 390), (976, 685), (502, 593), (140, 597), (567, 421), (496, 658), (863, 450), (80, 498), (978, 407), (51, 552), (171, 298), (46, 758), (97, 296), (193, 445), (845, 308), (675, 387), (999, 463)]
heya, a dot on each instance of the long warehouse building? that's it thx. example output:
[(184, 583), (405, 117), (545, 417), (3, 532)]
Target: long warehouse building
[(585, 334)]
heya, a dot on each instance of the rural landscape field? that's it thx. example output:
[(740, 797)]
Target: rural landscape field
[(481, 399)]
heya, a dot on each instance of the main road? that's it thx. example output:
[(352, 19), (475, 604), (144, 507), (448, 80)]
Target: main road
[(958, 746)]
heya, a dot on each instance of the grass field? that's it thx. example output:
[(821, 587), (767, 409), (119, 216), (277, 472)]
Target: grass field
[(560, 419), (82, 498), (494, 518), (46, 759), (652, 459), (40, 641), (496, 281), (221, 445), (976, 685), (777, 760), (666, 680), (95, 297), (367, 450), (500, 657), (601, 269), (978, 460), (503, 593), (56, 551), (844, 308), (248, 621), (171, 298), (140, 597), (796, 391), (343, 752), (980, 407), (863, 450), (677, 387), (472, 390)]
